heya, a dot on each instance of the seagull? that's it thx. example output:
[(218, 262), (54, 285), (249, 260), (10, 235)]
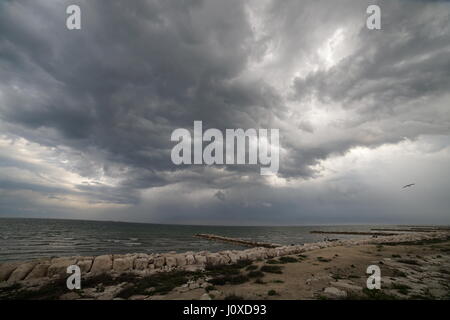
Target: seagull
[(409, 185)]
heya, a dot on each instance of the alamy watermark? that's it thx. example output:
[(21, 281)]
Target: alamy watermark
[(374, 280), (241, 147)]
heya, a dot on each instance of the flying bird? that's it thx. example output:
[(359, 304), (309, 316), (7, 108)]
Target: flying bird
[(409, 185)]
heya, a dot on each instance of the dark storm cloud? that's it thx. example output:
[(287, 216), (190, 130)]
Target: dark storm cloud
[(133, 74), (107, 98)]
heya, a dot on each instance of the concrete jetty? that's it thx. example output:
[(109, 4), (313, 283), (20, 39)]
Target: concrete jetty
[(237, 241)]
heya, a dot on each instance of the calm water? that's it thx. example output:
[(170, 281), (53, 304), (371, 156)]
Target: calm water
[(23, 239)]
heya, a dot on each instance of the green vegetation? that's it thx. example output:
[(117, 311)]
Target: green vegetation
[(278, 281), (210, 288), (272, 293), (288, 259), (402, 288), (322, 259), (272, 261), (50, 291), (255, 274), (271, 269), (229, 279), (162, 283), (251, 267)]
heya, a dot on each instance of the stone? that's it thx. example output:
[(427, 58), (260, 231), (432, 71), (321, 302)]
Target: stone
[(335, 292), (141, 263), (21, 271), (110, 292), (200, 259), (194, 285), (181, 260), (346, 285), (123, 264), (69, 296), (159, 262), (213, 259), (85, 265), (39, 271), (58, 267), (190, 259), (215, 293), (137, 297), (102, 264), (6, 269), (205, 296), (171, 261)]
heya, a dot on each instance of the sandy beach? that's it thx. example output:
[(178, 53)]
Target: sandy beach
[(413, 265)]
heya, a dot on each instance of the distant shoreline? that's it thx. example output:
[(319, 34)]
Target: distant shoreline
[(234, 226)]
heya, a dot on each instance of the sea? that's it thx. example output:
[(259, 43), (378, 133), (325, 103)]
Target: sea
[(25, 239)]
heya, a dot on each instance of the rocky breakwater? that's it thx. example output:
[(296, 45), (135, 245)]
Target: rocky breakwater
[(41, 271)]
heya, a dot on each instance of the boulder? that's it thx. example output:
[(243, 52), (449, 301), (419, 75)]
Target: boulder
[(6, 269), (58, 267), (335, 292), (171, 261), (70, 296), (213, 259), (85, 265), (200, 259), (181, 259), (141, 263), (39, 271), (21, 271), (190, 259), (205, 296), (123, 264), (159, 262), (102, 264)]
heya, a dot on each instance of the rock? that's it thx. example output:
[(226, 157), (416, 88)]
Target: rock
[(171, 261), (69, 296), (346, 285), (110, 292), (190, 259), (123, 264), (6, 269), (193, 268), (21, 271), (213, 259), (233, 257), (59, 266), (200, 259), (194, 285), (102, 264), (159, 262), (39, 271), (141, 263), (335, 292), (137, 297), (205, 296), (85, 265), (215, 293), (181, 259)]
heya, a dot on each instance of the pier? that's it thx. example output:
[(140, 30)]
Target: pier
[(237, 241)]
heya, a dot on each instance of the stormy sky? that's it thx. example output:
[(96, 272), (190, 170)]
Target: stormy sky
[(86, 115)]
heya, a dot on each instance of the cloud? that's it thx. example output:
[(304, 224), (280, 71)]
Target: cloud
[(87, 115)]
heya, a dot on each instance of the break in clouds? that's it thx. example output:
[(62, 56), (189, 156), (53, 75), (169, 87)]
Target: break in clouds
[(86, 115)]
